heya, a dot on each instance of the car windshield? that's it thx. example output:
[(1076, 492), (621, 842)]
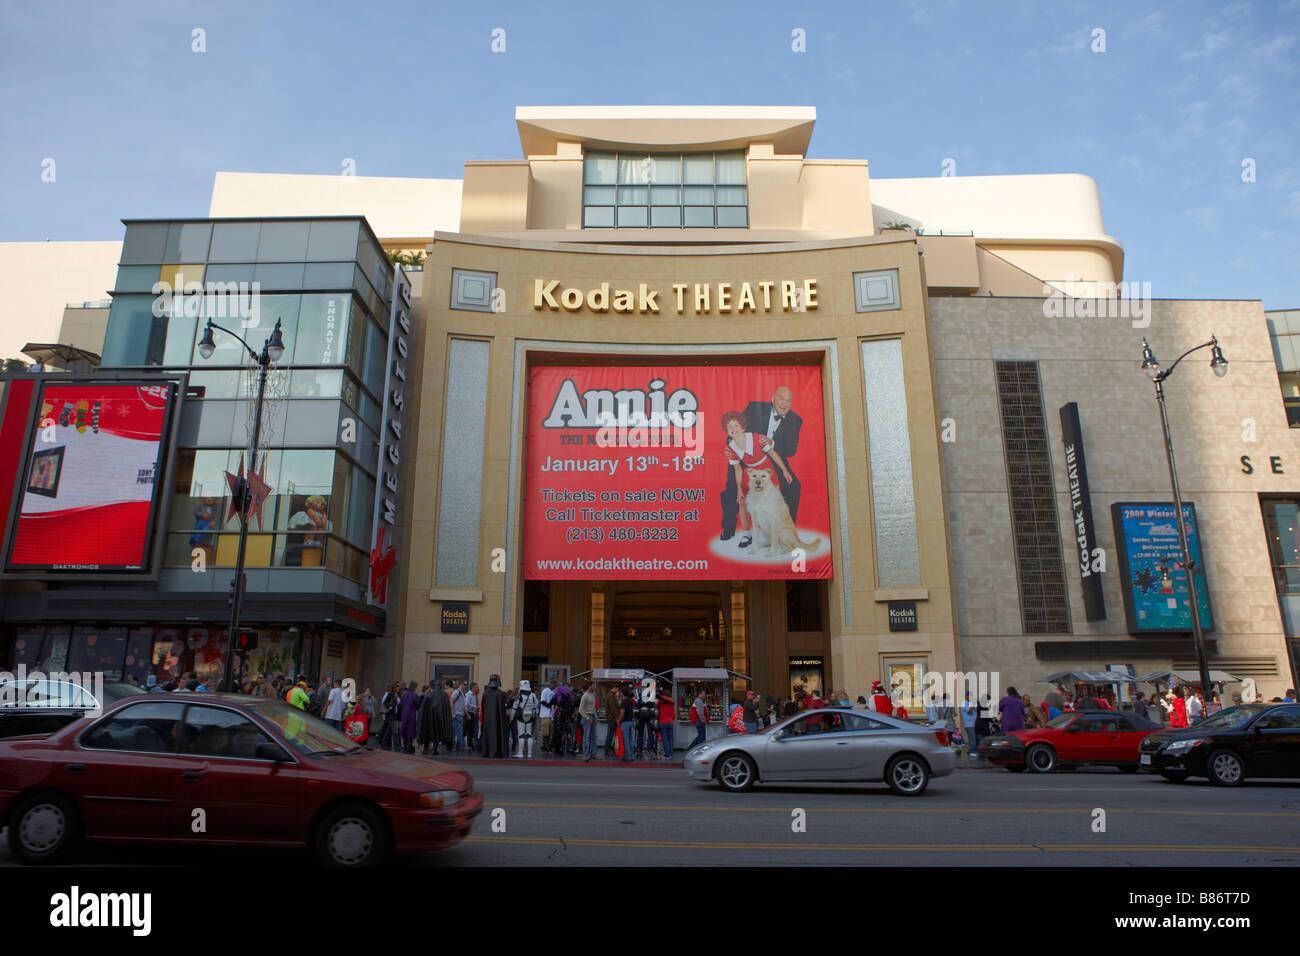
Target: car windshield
[(308, 735), (1061, 720), (1230, 718)]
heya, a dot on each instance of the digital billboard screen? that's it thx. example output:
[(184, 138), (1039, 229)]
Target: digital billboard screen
[(1151, 567), (676, 473), (92, 478)]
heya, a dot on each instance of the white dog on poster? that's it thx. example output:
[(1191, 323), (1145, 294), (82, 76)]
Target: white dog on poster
[(773, 527)]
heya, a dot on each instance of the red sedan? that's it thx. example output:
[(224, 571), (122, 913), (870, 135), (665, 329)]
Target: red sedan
[(225, 769), (1074, 738)]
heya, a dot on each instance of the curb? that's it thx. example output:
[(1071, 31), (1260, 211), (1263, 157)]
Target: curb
[(576, 762)]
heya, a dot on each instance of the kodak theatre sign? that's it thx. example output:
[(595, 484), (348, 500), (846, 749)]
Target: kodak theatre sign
[(702, 298)]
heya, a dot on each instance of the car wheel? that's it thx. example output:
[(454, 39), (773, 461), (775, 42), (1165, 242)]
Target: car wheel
[(351, 836), (1225, 768), (45, 828), (1129, 767), (1174, 776), (907, 776), (736, 772), (1041, 758)]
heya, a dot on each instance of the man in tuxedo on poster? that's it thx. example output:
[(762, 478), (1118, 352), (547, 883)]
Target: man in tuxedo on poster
[(779, 422)]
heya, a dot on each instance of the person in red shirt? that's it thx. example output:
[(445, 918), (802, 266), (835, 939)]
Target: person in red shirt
[(746, 449), (667, 717), (816, 702), (880, 701)]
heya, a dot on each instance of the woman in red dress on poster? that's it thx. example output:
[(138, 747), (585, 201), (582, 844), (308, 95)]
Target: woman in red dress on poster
[(746, 449)]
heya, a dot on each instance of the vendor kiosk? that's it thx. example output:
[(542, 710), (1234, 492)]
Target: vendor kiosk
[(714, 684)]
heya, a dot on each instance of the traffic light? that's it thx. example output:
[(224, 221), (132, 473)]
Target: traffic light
[(245, 640)]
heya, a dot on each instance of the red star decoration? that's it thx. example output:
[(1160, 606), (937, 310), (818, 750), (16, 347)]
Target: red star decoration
[(234, 481), (381, 562), (258, 492)]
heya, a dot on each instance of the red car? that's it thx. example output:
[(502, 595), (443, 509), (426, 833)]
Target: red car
[(1074, 738), (225, 769)]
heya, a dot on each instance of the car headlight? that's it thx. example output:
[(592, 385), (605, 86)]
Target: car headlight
[(702, 748), (1179, 745), (1002, 743), (439, 799)]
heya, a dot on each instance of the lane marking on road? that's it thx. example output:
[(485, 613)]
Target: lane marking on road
[(904, 810), (880, 847), (577, 786)]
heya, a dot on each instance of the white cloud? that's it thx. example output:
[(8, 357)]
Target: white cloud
[(1207, 217), (1276, 52), (1149, 24), (1242, 91), (1212, 43)]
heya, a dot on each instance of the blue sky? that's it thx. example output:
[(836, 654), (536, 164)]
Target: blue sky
[(137, 123)]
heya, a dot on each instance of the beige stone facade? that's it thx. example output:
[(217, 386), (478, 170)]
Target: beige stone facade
[(855, 640), (1095, 361)]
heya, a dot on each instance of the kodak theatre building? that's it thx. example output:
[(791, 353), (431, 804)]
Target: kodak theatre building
[(685, 399)]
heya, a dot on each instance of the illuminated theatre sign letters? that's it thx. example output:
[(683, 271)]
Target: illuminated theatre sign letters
[(702, 298), (690, 473)]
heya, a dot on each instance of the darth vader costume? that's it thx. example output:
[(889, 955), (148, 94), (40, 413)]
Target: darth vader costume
[(434, 722), (492, 707)]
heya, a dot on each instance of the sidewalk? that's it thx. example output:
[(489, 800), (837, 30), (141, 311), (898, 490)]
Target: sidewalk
[(963, 763), (551, 761)]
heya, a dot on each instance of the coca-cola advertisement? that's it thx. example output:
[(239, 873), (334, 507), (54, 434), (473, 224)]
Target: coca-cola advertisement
[(92, 482)]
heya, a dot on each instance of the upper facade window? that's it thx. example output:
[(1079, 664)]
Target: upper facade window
[(665, 191)]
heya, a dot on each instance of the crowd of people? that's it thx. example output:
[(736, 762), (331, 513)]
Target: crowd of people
[(561, 721)]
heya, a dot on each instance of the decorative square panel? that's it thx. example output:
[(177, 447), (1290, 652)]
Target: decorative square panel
[(472, 291), (876, 291)]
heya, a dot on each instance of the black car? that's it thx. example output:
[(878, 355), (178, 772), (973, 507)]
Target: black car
[(43, 705), (1250, 740)]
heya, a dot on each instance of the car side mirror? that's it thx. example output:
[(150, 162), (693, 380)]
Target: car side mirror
[(269, 752)]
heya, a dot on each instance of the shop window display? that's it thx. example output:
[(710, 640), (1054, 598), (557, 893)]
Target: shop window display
[(98, 650)]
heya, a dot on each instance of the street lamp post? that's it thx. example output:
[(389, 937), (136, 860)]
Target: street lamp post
[(1158, 375), (272, 351)]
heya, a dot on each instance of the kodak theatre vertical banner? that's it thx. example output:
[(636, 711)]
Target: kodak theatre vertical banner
[(676, 473)]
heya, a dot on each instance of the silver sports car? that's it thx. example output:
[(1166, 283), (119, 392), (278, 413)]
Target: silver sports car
[(830, 744)]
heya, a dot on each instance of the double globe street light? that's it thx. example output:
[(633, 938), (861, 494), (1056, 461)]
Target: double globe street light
[(272, 352), (1219, 364)]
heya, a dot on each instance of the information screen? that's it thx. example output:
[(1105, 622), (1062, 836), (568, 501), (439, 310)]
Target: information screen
[(676, 473), (1151, 563), (90, 488)]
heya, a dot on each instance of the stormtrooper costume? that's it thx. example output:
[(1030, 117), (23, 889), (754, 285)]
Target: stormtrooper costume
[(647, 715), (525, 712)]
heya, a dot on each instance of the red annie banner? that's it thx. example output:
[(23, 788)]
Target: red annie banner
[(676, 473)]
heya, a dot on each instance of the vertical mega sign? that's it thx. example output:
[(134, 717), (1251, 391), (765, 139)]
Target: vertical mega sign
[(383, 554), (1085, 534)]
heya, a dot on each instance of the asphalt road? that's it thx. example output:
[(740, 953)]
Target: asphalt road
[(598, 814)]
